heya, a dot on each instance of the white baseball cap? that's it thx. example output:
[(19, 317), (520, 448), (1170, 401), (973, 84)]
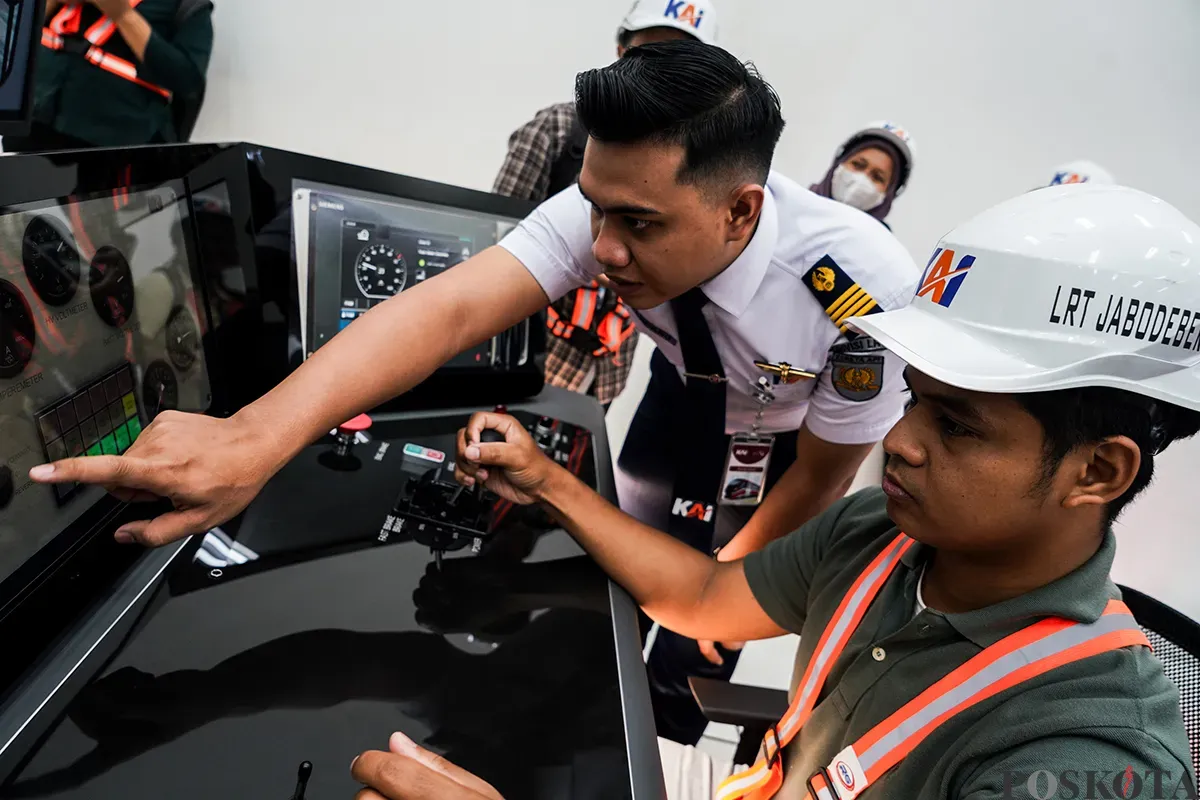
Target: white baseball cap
[(1081, 171), (695, 17), (1065, 287)]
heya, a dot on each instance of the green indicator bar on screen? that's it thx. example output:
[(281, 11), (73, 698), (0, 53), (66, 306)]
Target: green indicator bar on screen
[(95, 450), (109, 445), (122, 435), (135, 428)]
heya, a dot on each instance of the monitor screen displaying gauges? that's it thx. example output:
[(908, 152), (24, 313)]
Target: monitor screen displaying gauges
[(50, 260)]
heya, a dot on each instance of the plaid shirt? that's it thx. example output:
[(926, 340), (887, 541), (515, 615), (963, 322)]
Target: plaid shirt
[(532, 150)]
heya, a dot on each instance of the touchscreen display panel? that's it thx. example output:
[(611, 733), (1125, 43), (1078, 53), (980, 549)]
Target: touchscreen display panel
[(356, 249), (100, 331)]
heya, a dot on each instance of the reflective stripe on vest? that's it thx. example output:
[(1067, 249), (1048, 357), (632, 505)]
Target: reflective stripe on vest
[(585, 308), (614, 330), (1019, 657), (66, 23), (556, 325)]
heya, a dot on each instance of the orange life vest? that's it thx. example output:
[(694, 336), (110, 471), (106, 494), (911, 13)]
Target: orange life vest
[(60, 35), (1024, 655), (593, 319)]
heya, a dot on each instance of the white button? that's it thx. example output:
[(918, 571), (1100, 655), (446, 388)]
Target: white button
[(879, 654)]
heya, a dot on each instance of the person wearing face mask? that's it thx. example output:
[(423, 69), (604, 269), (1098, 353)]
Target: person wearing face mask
[(871, 169)]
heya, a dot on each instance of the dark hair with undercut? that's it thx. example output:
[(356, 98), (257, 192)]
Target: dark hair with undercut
[(1072, 418), (685, 92)]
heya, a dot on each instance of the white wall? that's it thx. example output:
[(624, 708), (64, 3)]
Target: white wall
[(997, 94)]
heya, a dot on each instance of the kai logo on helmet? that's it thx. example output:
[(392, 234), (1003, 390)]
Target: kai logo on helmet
[(1062, 178), (684, 12), (943, 276), (896, 130)]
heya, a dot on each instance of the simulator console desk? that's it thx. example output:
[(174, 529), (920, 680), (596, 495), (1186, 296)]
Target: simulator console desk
[(352, 599)]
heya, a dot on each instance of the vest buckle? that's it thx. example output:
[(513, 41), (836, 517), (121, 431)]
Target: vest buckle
[(825, 790), (771, 755)]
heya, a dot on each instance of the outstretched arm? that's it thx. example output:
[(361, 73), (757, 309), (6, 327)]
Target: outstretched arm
[(212, 468)]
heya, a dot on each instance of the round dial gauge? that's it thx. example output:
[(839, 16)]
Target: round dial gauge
[(17, 331), (160, 389), (380, 271), (111, 286), (183, 339), (51, 262)]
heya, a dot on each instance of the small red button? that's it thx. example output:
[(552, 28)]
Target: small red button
[(360, 423), (501, 409)]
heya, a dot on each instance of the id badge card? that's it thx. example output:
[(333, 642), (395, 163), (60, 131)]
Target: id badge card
[(745, 476)]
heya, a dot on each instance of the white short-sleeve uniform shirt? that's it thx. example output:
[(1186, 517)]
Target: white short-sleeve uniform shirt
[(812, 263)]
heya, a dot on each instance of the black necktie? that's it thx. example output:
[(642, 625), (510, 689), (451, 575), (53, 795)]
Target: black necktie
[(701, 451)]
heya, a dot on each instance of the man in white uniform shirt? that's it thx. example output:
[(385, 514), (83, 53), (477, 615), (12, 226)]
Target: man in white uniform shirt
[(742, 277)]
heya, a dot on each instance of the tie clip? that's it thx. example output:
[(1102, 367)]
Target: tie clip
[(710, 378)]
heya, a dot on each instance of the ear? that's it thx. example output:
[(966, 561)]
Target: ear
[(745, 206), (621, 50), (1105, 472)]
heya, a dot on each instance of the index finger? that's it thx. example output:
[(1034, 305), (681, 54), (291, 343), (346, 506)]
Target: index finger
[(122, 471)]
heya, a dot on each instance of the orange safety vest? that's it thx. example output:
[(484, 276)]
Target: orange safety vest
[(60, 33), (1026, 654), (600, 332)]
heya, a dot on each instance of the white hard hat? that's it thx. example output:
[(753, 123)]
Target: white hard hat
[(1081, 172), (890, 131), (695, 17), (1064, 287)]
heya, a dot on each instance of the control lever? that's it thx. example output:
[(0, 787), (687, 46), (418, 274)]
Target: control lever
[(439, 513), (302, 776), (341, 456), (434, 511), (488, 435)]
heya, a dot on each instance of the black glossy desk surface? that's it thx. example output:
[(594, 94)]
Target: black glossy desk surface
[(328, 640)]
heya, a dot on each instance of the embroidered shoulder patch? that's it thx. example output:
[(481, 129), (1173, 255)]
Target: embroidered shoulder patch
[(857, 376), (838, 293)]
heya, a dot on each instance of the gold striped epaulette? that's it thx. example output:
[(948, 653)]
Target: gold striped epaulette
[(838, 293)]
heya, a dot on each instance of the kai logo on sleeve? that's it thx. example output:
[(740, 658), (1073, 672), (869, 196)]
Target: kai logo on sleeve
[(943, 276), (684, 12)]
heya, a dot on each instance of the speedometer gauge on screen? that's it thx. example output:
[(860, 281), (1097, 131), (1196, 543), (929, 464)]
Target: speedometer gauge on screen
[(380, 271), (364, 249)]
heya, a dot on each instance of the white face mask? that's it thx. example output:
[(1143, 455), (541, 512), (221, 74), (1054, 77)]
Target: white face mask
[(855, 189)]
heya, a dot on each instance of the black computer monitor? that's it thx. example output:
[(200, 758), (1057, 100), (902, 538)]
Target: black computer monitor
[(356, 249), (20, 27), (108, 306), (349, 237)]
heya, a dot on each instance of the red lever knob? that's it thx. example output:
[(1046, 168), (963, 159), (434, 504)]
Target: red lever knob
[(501, 409), (360, 423)]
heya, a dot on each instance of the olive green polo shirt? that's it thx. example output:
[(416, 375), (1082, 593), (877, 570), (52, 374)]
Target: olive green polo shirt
[(79, 99), (1085, 722)]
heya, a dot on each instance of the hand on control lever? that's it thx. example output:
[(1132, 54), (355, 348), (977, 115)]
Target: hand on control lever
[(410, 772), (210, 469), (498, 440)]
